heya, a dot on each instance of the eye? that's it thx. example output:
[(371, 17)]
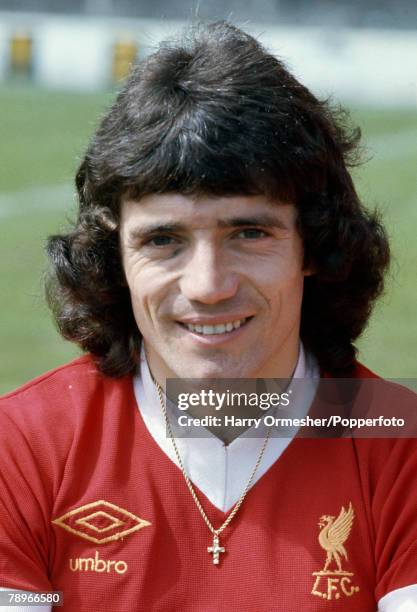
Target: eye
[(251, 233), (161, 240)]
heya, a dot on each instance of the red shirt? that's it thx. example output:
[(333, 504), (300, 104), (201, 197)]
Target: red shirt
[(90, 505)]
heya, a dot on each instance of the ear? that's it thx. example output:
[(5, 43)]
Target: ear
[(309, 271)]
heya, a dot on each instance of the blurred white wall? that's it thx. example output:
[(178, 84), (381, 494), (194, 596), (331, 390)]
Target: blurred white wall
[(363, 66), (377, 67)]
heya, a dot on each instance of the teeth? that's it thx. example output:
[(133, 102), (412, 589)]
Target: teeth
[(216, 329)]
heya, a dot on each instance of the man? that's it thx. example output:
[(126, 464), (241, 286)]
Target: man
[(219, 236)]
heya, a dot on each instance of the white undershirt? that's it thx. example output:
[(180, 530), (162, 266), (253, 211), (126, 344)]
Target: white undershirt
[(221, 471)]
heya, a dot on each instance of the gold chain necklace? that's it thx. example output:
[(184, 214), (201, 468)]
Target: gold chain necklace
[(215, 549)]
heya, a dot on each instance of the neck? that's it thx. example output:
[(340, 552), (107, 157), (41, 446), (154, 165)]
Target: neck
[(248, 414)]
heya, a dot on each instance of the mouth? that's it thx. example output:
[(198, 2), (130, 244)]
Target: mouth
[(218, 329)]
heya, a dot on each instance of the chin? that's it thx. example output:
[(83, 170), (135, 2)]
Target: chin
[(209, 369)]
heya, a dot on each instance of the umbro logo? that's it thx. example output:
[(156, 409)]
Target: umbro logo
[(100, 522), (95, 564)]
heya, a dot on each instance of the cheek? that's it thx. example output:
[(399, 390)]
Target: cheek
[(282, 287), (149, 295), (277, 276)]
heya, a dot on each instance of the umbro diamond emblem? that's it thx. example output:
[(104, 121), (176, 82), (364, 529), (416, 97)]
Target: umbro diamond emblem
[(100, 522)]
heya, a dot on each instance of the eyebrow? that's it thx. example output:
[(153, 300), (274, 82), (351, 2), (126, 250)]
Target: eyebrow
[(262, 220), (139, 233)]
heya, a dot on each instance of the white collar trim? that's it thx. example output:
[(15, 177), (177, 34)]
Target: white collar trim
[(221, 472)]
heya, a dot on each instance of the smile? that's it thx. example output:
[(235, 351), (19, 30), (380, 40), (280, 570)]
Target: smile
[(220, 328)]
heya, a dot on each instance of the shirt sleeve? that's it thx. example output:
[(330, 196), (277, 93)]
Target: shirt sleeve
[(394, 510), (24, 510)]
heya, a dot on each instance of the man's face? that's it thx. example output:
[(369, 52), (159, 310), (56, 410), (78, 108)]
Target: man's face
[(216, 284)]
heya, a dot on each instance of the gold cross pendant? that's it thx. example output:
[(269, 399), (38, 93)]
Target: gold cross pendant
[(216, 549)]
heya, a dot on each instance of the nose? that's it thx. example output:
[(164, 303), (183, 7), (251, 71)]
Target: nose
[(207, 277)]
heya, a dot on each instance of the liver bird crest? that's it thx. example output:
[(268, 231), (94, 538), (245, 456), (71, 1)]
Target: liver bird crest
[(333, 534)]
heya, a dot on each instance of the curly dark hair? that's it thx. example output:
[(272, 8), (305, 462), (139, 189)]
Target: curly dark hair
[(215, 114)]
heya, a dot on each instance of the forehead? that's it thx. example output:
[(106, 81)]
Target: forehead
[(202, 210)]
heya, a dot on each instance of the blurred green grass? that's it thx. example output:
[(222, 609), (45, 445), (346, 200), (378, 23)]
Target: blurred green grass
[(44, 133)]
